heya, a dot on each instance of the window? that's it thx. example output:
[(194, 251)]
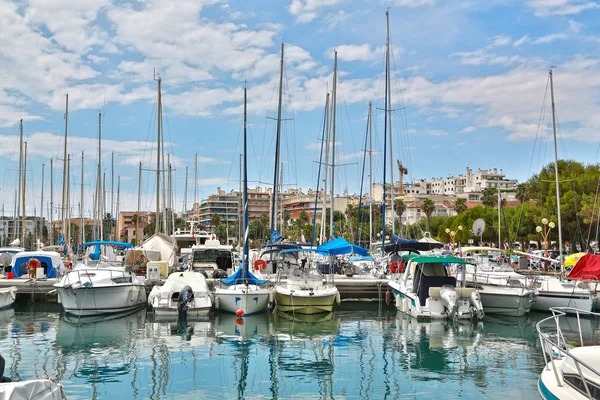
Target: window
[(576, 383)]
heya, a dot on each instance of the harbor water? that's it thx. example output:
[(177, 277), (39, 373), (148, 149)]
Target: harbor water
[(357, 352)]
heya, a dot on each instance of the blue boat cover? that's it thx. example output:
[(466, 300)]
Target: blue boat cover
[(341, 246), (398, 243), (275, 236), (20, 267), (237, 279)]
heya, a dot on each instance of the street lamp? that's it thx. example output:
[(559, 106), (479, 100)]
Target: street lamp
[(544, 230), (452, 234)]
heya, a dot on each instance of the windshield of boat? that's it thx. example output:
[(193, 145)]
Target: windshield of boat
[(210, 255)]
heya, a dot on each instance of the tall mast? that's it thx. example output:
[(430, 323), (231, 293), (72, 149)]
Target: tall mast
[(387, 78), (117, 205), (389, 94), (195, 180), (362, 178), (64, 184), (245, 258), (325, 172), (81, 202), (68, 209), (15, 218), (23, 217), (162, 163), (137, 221), (241, 202), (499, 231), (185, 192), (169, 198), (112, 192), (41, 208), (158, 148), (333, 116), (20, 180), (313, 239), (370, 174), (51, 211), (277, 146), (560, 243), (99, 194)]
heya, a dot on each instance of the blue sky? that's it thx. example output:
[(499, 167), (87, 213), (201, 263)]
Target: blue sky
[(469, 81)]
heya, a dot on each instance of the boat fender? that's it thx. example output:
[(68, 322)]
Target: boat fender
[(217, 302), (338, 298), (271, 297), (69, 265), (219, 274), (388, 297), (186, 295), (395, 267), (260, 265)]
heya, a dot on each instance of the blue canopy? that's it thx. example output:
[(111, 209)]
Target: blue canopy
[(398, 243), (237, 278), (341, 246), (109, 243), (20, 267), (275, 236)]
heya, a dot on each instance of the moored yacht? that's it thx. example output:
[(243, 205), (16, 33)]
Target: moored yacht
[(100, 285), (183, 293), (422, 288)]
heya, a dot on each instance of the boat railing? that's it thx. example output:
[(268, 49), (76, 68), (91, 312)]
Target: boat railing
[(89, 273), (508, 280), (555, 346)]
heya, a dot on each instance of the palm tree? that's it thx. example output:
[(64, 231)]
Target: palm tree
[(428, 208), (460, 206), (136, 219), (215, 220), (522, 193), (399, 208), (489, 197)]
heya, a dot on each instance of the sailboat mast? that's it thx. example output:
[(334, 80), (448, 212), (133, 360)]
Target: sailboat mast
[(362, 180), (20, 182), (389, 110), (385, 126), (277, 146), (158, 148), (64, 185), (68, 210), (185, 192), (51, 211), (319, 174), (333, 116), (195, 180), (370, 175), (499, 230), (137, 221), (117, 234), (112, 192), (81, 206), (560, 242), (99, 194), (245, 258), (24, 215), (41, 207), (325, 171)]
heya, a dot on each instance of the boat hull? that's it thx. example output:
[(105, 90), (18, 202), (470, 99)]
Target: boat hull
[(303, 302), (509, 304), (547, 299), (7, 297), (549, 388), (88, 301), (251, 299)]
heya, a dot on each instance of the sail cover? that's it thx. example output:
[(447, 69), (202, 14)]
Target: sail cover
[(237, 278), (588, 267), (341, 246), (398, 243)]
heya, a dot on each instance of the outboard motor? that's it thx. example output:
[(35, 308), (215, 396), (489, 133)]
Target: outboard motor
[(186, 295), (450, 299), (219, 274), (475, 301)]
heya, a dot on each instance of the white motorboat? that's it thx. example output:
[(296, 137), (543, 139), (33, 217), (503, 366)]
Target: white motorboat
[(570, 372), (308, 289), (422, 288), (98, 286), (7, 297), (552, 292), (42, 389), (502, 291), (168, 300), (212, 258)]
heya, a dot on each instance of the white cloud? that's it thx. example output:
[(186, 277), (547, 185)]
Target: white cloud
[(481, 57), (549, 38), (575, 26), (436, 132), (544, 8), (520, 41), (307, 10), (362, 52), (469, 129), (499, 41), (412, 3)]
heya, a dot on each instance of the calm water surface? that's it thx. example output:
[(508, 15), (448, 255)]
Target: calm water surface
[(350, 354)]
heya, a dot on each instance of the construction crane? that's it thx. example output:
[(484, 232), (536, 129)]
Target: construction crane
[(403, 171)]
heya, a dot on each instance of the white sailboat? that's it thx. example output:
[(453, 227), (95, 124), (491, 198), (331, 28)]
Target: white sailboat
[(242, 293)]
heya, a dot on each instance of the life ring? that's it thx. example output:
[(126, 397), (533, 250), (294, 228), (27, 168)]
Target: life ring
[(395, 267), (260, 265)]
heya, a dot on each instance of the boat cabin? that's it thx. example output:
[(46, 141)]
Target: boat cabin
[(212, 256)]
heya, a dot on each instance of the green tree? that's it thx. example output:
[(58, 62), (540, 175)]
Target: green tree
[(522, 193), (399, 208), (215, 220), (428, 208), (489, 197), (460, 206)]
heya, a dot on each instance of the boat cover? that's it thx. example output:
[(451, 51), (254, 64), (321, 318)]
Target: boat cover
[(163, 244), (177, 280), (588, 267), (39, 389), (50, 261), (237, 278), (398, 243), (341, 246)]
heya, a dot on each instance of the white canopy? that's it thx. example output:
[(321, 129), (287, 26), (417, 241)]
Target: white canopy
[(163, 244)]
